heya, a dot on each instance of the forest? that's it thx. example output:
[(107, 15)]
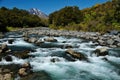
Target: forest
[(18, 18), (100, 17)]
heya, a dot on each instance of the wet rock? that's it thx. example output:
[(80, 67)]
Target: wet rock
[(113, 32), (1, 35), (50, 39), (1, 77), (26, 39), (7, 76), (101, 51), (22, 54), (118, 44), (77, 55), (113, 46), (101, 42), (22, 72), (110, 42), (67, 46), (26, 65), (25, 70), (55, 60), (6, 71), (25, 34), (37, 76), (32, 40), (10, 41), (4, 48), (8, 58), (10, 68), (38, 42), (105, 59), (117, 39)]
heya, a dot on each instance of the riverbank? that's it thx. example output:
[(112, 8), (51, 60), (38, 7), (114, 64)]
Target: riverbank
[(110, 39)]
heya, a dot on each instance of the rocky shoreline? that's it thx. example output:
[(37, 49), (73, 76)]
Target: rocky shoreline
[(110, 39)]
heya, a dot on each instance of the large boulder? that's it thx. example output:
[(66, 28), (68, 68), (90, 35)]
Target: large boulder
[(101, 51), (77, 55), (50, 39)]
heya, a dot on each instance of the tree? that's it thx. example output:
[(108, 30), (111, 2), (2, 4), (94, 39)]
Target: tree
[(66, 16)]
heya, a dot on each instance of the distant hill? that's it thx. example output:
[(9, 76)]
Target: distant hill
[(37, 12)]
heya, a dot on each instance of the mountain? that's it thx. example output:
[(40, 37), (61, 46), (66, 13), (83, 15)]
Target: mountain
[(37, 12)]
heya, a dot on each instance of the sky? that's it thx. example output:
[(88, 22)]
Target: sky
[(48, 6)]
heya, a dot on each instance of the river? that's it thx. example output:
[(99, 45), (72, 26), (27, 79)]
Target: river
[(64, 68)]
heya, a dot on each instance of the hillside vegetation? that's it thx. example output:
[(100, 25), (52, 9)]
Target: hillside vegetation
[(100, 17), (18, 18)]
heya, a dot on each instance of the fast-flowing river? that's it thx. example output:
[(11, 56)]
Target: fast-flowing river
[(64, 68)]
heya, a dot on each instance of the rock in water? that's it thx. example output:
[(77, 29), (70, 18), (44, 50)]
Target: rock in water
[(8, 58), (32, 40), (22, 72), (10, 41), (4, 48), (101, 51), (50, 39), (77, 55), (22, 54), (7, 77), (37, 76)]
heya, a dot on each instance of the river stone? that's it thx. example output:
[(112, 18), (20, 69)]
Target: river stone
[(4, 47), (10, 41), (38, 42), (22, 72), (118, 44), (7, 76), (101, 42), (22, 54), (1, 35), (26, 39), (67, 46), (37, 76), (32, 40), (26, 65), (77, 55), (1, 77), (8, 58), (54, 60), (117, 39), (110, 41), (6, 71), (101, 51), (50, 39)]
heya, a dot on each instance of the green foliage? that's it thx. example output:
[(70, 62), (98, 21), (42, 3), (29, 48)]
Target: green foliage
[(100, 17), (66, 16), (18, 18)]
